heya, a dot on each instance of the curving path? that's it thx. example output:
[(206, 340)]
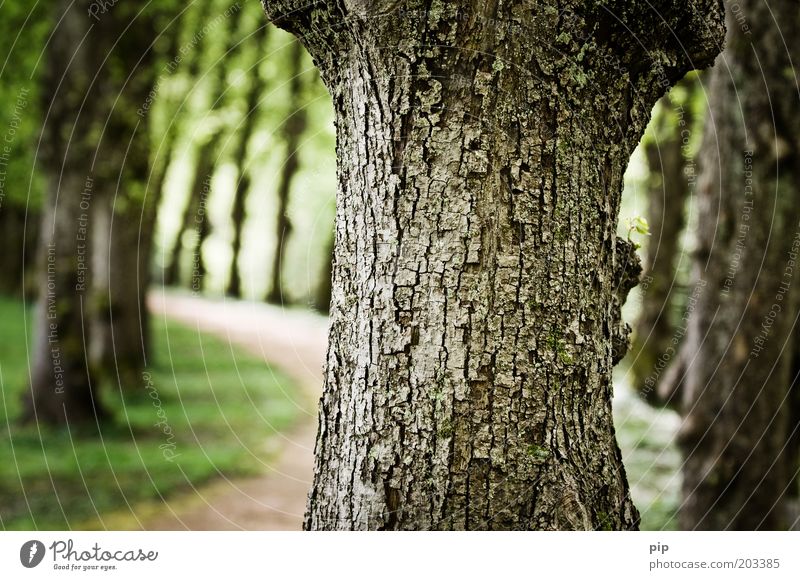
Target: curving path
[(292, 341)]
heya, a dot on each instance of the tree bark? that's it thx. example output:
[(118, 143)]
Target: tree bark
[(98, 73), (292, 131), (668, 189), (734, 435), (478, 280)]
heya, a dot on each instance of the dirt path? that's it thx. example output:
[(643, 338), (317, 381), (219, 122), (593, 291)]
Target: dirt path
[(293, 342)]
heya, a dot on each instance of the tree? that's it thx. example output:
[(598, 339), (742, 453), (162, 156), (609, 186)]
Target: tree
[(666, 149), (478, 280), (171, 270), (24, 31), (292, 130), (736, 388), (195, 217), (98, 73), (245, 133)]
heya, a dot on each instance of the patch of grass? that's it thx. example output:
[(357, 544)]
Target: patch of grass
[(208, 412)]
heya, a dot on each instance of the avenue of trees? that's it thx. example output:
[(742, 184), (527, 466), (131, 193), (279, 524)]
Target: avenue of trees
[(476, 268)]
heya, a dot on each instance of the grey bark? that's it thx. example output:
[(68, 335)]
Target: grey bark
[(736, 389), (478, 280)]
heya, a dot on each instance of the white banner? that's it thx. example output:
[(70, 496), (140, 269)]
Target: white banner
[(386, 556)]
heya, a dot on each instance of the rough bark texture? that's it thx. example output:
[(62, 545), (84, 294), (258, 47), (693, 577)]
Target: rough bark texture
[(97, 75), (478, 278), (292, 131), (668, 189), (245, 132), (736, 390)]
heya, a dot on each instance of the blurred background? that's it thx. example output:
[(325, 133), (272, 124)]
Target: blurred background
[(210, 424)]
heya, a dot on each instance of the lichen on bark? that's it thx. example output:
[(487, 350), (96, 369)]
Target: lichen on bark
[(478, 277)]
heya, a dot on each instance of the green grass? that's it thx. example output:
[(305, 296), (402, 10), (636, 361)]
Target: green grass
[(220, 403)]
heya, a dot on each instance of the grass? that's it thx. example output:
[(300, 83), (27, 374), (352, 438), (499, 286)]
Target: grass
[(217, 406)]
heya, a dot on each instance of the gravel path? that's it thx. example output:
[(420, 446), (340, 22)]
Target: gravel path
[(292, 341)]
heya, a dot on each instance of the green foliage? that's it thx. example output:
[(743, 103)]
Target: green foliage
[(219, 405), (637, 224), (23, 31)]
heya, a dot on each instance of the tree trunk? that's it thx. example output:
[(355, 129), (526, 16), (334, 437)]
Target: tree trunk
[(478, 280), (293, 128), (736, 389), (234, 286), (200, 192), (248, 126), (654, 337), (118, 288), (171, 273), (97, 77), (162, 152), (208, 157)]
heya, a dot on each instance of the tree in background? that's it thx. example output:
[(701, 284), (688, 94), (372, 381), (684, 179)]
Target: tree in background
[(180, 115), (98, 74), (736, 388), (240, 158), (214, 125), (668, 150), (478, 279), (291, 131), (167, 111), (24, 31)]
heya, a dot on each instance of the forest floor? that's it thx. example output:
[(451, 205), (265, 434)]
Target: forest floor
[(294, 343)]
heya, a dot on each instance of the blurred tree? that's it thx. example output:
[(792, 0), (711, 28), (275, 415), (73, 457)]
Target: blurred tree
[(123, 223), (667, 150), (179, 116), (195, 218), (23, 31), (99, 73), (176, 35), (478, 281), (244, 134), (291, 131), (735, 393)]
